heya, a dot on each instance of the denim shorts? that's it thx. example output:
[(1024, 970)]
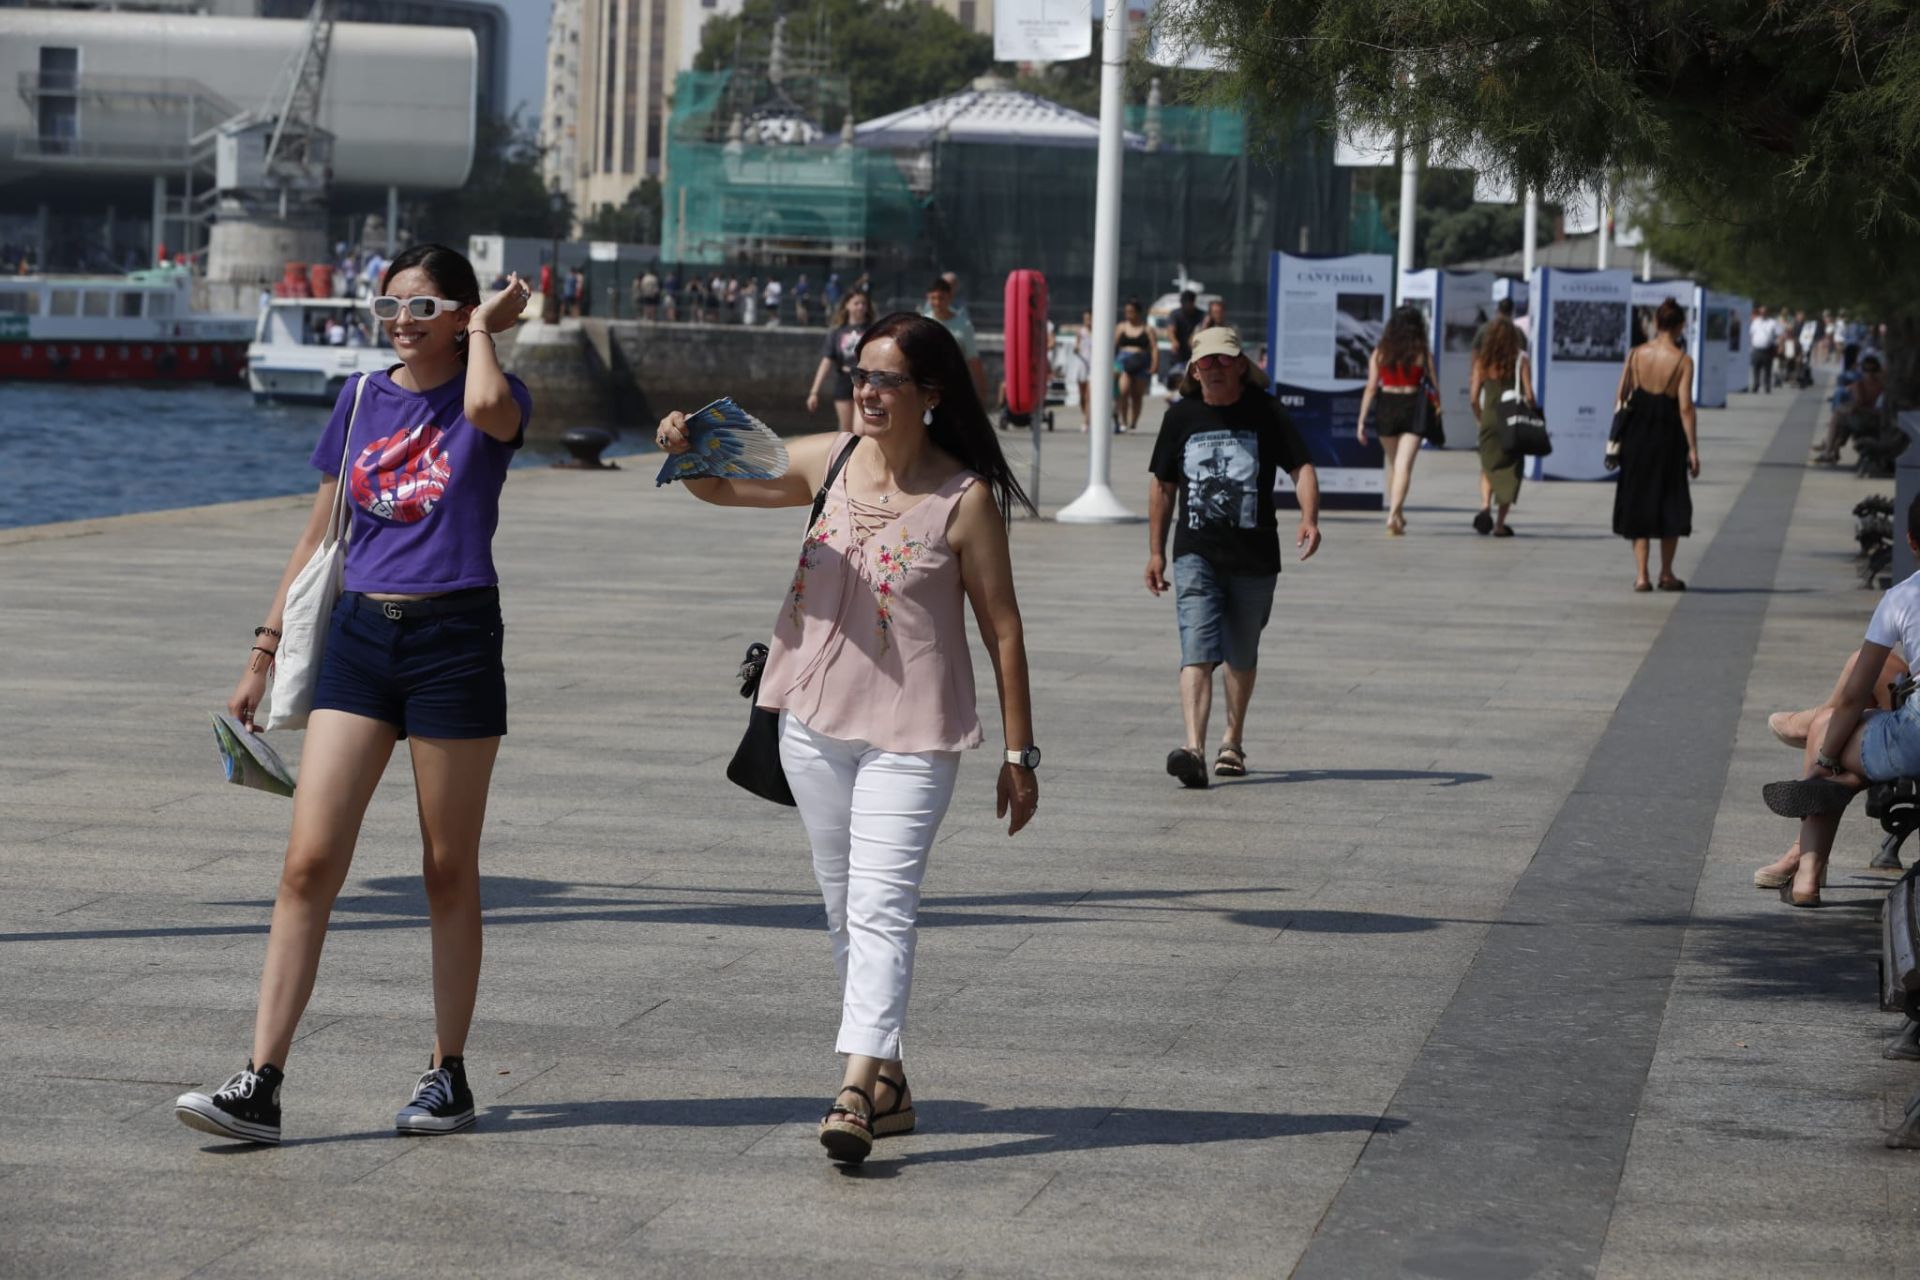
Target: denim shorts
[(1890, 744), (430, 668), (1221, 614)]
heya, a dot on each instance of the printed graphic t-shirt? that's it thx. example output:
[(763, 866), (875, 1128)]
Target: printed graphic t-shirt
[(843, 348), (423, 486), (1224, 458)]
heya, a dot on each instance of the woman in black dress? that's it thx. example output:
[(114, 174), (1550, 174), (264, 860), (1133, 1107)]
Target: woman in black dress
[(1659, 448)]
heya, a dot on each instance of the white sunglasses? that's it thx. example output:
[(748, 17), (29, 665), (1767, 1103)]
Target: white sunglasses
[(387, 307)]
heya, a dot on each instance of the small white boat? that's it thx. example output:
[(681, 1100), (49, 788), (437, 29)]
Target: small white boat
[(290, 358)]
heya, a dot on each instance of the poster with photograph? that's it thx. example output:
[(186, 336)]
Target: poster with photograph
[(1324, 317), (1707, 343), (1582, 323)]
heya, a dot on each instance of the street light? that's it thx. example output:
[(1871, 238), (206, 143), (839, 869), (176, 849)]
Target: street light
[(550, 275)]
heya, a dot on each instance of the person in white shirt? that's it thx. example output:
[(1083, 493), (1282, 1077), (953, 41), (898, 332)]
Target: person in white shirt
[(1852, 743), (336, 332), (772, 299), (1763, 336)]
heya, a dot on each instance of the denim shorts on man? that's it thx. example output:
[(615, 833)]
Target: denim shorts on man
[(1221, 614), (430, 668), (1890, 743)]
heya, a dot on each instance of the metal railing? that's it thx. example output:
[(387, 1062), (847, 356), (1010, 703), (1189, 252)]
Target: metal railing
[(142, 92)]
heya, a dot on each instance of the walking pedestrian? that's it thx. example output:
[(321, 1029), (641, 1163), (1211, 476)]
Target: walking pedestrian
[(1659, 448), (1763, 337), (772, 298), (802, 300), (1399, 376), (1215, 461), (750, 302), (830, 292), (670, 297), (413, 651), (1186, 318), (870, 672), (1081, 367), (939, 306), (1136, 356), (1499, 367), (697, 300), (839, 355)]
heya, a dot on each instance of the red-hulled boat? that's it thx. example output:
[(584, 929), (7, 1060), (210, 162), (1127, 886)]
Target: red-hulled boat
[(134, 328)]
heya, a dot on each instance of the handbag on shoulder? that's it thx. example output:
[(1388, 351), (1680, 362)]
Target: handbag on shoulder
[(309, 604), (1523, 428), (756, 761)]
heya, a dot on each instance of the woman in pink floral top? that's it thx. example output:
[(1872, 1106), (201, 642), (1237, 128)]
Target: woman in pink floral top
[(869, 667)]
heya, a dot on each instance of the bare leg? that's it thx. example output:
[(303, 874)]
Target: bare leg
[(452, 776), (1667, 547), (1486, 491), (1640, 548), (339, 770), (1196, 702), (1500, 520), (1406, 450), (1239, 693), (843, 410), (1799, 724)]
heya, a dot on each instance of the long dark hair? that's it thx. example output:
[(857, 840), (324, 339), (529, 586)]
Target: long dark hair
[(1500, 350), (450, 272), (960, 427), (1404, 339)]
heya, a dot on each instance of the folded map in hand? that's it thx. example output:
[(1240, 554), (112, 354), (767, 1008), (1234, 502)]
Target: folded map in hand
[(728, 443), (249, 761)]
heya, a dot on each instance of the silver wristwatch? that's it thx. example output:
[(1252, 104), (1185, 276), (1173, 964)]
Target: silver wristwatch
[(1027, 759)]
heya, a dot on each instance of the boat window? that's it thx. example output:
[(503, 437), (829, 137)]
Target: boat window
[(18, 302), (159, 304), (98, 302), (130, 303), (66, 302)]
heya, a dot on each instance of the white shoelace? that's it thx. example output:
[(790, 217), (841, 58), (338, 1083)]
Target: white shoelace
[(435, 1089), (241, 1085)]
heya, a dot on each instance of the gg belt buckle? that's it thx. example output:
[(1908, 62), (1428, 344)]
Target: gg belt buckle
[(392, 609)]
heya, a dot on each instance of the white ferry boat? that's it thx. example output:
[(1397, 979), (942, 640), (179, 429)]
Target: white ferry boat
[(290, 358), (133, 328)]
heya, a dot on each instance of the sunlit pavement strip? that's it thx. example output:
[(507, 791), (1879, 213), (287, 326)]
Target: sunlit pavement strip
[(1160, 1032)]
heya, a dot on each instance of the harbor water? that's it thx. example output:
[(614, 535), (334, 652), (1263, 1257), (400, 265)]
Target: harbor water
[(78, 451)]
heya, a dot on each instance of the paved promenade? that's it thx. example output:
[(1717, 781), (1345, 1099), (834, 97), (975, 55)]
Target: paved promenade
[(1466, 979)]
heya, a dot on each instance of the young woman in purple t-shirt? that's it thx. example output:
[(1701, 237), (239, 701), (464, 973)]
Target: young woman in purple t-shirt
[(413, 651)]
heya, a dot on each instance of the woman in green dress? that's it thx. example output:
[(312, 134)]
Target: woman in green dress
[(1499, 366)]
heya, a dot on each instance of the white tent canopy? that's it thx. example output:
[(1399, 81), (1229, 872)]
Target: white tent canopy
[(985, 115)]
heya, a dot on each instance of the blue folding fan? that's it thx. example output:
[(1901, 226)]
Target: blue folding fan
[(728, 443)]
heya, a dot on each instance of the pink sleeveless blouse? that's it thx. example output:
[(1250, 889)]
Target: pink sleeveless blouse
[(871, 643)]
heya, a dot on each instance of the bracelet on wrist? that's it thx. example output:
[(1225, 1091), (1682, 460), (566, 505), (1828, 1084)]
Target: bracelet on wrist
[(266, 631)]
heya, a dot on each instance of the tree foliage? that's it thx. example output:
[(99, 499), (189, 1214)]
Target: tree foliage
[(503, 194), (1789, 128), (893, 56), (634, 221)]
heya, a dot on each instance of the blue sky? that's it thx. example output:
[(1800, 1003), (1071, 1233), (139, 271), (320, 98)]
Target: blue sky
[(527, 62)]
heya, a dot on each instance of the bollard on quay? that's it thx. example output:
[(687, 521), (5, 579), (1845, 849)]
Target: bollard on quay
[(585, 445)]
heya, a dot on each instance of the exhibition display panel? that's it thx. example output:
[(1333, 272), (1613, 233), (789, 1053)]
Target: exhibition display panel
[(1582, 329), (1324, 318)]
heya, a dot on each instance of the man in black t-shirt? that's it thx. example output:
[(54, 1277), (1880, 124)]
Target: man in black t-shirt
[(1214, 467), (1181, 325)]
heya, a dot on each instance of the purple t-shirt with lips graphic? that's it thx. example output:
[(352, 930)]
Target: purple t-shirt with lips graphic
[(423, 485)]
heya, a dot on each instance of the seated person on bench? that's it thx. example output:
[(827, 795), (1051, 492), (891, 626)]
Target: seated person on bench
[(1852, 743), (1792, 728), (1858, 413)]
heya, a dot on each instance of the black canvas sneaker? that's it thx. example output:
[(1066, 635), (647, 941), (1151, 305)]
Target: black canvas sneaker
[(246, 1108), (442, 1103)]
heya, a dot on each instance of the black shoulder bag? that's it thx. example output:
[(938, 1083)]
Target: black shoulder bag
[(756, 762)]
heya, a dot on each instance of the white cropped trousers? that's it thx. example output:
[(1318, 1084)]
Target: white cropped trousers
[(871, 816)]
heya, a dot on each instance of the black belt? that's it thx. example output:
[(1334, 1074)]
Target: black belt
[(452, 604)]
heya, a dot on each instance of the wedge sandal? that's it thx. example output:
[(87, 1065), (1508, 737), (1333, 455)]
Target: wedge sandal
[(898, 1118), (1804, 797), (847, 1133)]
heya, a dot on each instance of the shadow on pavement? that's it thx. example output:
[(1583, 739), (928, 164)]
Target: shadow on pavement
[(1438, 777), (397, 902)]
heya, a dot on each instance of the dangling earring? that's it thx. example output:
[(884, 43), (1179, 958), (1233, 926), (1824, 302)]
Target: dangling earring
[(927, 417), (460, 338)]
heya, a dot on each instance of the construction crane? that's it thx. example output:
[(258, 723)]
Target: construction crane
[(276, 160)]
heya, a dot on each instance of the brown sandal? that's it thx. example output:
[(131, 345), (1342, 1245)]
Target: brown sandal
[(1231, 762), (847, 1132), (898, 1118)]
